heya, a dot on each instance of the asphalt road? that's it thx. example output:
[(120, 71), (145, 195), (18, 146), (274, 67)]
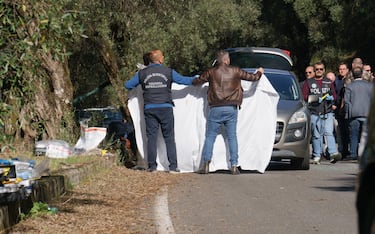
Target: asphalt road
[(321, 200)]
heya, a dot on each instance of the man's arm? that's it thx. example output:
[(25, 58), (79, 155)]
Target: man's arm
[(133, 82), (347, 101), (333, 91), (250, 76), (305, 90), (203, 78), (180, 79)]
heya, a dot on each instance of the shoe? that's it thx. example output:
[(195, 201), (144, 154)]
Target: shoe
[(234, 170), (354, 160), (347, 159), (315, 160), (205, 168), (335, 157), (175, 171), (152, 170)]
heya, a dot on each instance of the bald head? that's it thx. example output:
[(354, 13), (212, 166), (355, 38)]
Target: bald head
[(357, 62), (156, 56)]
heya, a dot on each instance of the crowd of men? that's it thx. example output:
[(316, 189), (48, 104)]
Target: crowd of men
[(339, 110)]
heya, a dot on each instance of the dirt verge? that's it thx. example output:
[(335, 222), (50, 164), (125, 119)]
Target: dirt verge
[(113, 201)]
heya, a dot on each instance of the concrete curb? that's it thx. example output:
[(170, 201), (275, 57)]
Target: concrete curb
[(47, 189)]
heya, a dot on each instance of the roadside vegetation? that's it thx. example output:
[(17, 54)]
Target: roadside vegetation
[(54, 53)]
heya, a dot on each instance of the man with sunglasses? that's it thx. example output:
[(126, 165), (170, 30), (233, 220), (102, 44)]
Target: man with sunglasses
[(309, 73), (322, 90), (367, 69)]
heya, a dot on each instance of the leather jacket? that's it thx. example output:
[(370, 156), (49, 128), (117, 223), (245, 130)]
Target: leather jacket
[(225, 84)]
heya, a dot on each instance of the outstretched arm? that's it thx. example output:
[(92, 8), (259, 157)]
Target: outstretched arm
[(133, 82)]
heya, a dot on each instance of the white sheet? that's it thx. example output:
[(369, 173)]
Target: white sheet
[(255, 130)]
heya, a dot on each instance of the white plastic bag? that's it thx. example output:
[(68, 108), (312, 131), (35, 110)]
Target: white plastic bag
[(53, 148)]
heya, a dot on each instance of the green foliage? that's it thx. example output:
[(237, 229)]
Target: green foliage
[(30, 31), (38, 209), (188, 31)]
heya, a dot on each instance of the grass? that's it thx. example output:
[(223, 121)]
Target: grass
[(54, 163), (39, 208)]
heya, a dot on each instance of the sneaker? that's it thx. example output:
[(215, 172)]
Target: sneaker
[(234, 170), (335, 157), (315, 160), (175, 171)]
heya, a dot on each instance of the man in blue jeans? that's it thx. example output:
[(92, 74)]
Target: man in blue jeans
[(156, 81), (322, 115), (224, 98)]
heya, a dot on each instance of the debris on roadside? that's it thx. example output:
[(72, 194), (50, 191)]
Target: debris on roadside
[(18, 176)]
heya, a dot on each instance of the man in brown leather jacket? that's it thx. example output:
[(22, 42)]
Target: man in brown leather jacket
[(224, 97)]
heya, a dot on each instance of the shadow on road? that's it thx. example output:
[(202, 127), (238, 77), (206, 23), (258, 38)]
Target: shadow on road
[(344, 184)]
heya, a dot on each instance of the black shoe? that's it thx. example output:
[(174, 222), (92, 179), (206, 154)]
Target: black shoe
[(335, 157), (234, 170), (151, 170), (205, 168), (175, 171)]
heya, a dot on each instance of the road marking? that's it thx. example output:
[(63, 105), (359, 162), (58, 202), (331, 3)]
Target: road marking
[(162, 219)]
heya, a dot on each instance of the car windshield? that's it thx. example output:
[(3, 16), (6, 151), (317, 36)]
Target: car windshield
[(255, 60), (285, 86)]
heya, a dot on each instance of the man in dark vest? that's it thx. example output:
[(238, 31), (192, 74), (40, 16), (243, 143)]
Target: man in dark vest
[(156, 81), (322, 115)]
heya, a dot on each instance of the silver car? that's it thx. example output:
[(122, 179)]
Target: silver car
[(292, 141)]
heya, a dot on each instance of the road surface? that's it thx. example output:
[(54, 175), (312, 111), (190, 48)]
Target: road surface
[(321, 200)]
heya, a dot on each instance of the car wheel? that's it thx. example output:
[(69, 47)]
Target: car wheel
[(301, 163)]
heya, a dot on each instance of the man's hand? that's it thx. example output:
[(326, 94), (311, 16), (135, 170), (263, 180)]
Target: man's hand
[(329, 98), (127, 144), (261, 70)]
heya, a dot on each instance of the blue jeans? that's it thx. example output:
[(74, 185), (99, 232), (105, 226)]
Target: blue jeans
[(322, 126), (355, 127), (217, 116), (164, 118)]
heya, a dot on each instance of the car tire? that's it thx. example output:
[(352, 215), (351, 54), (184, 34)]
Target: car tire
[(301, 163)]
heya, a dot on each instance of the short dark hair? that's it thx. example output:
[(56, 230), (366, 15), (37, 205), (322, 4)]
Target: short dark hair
[(357, 72), (146, 59)]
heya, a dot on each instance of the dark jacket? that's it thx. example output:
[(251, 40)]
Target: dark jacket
[(340, 90), (225, 84), (358, 95)]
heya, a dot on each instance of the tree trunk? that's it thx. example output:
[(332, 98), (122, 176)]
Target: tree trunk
[(109, 61), (53, 100)]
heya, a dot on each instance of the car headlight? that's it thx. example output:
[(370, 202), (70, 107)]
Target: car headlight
[(298, 117), (296, 128)]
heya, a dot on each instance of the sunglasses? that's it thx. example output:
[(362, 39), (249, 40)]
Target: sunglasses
[(319, 69), (368, 70), (309, 72)]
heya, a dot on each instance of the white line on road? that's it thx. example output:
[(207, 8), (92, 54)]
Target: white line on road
[(162, 218)]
